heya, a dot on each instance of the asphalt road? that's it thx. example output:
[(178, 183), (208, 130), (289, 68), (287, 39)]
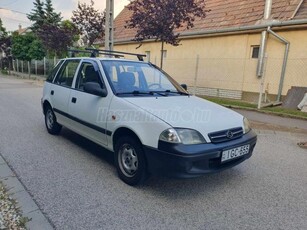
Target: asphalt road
[(75, 184)]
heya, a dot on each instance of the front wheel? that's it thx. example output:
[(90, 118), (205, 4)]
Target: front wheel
[(52, 126), (130, 161)]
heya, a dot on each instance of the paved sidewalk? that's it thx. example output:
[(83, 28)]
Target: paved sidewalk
[(17, 191), (17, 78), (274, 120), (26, 76)]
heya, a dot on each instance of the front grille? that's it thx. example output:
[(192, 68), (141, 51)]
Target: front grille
[(226, 135)]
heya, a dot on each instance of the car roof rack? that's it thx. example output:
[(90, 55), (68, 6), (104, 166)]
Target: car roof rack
[(94, 53), (116, 53)]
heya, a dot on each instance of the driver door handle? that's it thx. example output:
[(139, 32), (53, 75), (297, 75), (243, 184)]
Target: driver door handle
[(74, 100)]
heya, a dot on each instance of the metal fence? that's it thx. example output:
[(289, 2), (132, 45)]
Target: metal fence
[(35, 67), (233, 77)]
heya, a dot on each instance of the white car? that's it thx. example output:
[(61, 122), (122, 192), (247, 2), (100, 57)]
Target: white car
[(151, 123)]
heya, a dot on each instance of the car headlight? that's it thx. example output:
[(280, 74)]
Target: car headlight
[(170, 135), (190, 136), (246, 125), (184, 136)]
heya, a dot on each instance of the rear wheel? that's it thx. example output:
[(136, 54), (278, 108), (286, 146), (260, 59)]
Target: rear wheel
[(52, 126), (130, 161)]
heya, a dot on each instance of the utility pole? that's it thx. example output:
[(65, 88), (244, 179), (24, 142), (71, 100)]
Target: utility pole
[(109, 24), (264, 38)]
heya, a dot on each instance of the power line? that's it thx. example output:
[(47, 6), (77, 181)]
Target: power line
[(14, 19), (15, 11), (11, 3)]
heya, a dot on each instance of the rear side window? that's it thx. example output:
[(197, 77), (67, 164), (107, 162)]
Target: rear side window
[(51, 76), (65, 75)]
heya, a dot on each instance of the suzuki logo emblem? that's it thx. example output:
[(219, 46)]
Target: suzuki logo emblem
[(229, 134)]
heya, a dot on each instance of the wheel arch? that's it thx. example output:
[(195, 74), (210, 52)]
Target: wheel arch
[(46, 104), (124, 131), (142, 171)]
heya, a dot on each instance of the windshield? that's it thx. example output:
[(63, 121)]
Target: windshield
[(137, 78)]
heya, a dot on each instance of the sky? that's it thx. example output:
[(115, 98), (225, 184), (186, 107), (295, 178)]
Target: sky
[(13, 12)]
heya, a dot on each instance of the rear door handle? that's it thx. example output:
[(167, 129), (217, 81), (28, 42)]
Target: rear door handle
[(74, 100), (52, 92)]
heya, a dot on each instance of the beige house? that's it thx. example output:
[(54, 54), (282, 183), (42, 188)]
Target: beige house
[(22, 31), (219, 56)]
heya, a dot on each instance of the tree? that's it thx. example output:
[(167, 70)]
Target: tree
[(58, 38), (54, 35), (159, 19), (5, 47), (42, 14), (51, 17), (3, 32), (3, 37), (89, 21), (71, 28), (27, 47), (37, 16)]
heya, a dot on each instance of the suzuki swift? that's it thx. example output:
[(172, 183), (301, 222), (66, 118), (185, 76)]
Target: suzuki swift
[(153, 125)]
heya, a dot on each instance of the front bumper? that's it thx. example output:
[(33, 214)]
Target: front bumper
[(184, 161)]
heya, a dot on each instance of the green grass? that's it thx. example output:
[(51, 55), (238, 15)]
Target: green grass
[(278, 110), (283, 111), (229, 102), (5, 71)]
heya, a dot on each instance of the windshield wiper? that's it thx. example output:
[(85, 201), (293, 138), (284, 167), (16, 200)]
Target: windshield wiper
[(161, 93), (138, 93), (135, 92), (177, 92)]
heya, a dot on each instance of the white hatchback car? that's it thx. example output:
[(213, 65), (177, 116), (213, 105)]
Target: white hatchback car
[(151, 123)]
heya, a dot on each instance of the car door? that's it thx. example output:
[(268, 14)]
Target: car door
[(89, 111), (61, 88)]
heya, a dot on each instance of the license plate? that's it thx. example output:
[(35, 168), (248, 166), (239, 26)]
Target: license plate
[(234, 153)]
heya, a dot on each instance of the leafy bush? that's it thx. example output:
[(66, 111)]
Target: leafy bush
[(5, 71)]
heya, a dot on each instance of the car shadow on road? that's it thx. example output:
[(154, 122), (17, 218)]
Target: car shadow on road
[(166, 187), (173, 189), (91, 147)]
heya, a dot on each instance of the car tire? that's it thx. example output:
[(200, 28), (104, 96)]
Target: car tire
[(52, 126), (130, 161)]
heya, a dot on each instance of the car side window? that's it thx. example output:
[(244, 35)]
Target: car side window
[(87, 73), (51, 76), (66, 73)]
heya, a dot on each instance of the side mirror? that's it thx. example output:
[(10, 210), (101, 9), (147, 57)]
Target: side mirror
[(184, 86), (95, 89)]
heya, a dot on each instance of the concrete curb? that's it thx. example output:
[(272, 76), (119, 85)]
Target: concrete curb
[(28, 207)]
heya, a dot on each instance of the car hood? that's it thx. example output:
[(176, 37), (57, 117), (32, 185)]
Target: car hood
[(189, 112)]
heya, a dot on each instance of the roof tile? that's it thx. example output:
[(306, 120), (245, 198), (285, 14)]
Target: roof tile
[(224, 14)]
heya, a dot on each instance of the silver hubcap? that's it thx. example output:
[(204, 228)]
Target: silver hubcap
[(128, 160), (49, 119)]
